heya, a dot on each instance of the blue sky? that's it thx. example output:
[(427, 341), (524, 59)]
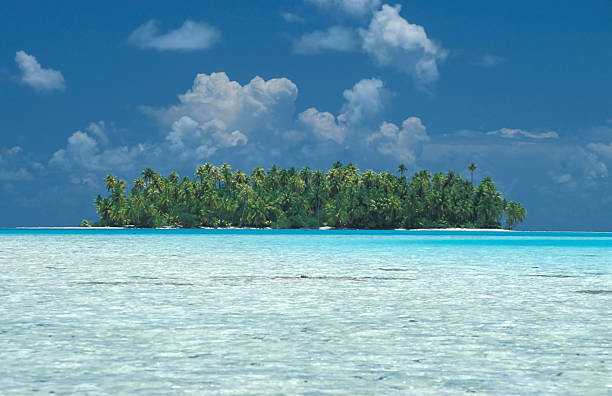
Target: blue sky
[(523, 90)]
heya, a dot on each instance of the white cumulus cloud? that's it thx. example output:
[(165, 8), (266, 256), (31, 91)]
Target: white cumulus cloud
[(351, 7), (191, 139), (404, 144), (363, 101), (395, 42), (190, 36), (218, 113), (39, 78), (323, 124), (509, 133), (336, 38)]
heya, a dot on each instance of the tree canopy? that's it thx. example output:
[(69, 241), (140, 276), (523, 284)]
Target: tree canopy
[(342, 197)]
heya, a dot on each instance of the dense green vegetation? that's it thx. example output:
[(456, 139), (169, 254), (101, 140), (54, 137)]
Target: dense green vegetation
[(290, 198)]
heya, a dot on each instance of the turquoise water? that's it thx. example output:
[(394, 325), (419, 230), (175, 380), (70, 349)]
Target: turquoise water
[(304, 312)]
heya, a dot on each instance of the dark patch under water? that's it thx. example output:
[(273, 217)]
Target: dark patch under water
[(594, 291), (143, 277), (121, 283), (309, 277), (550, 276), (248, 278)]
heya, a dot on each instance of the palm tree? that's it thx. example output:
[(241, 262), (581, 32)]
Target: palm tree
[(110, 181), (515, 214), (258, 176), (139, 184), (148, 174), (472, 167), (226, 176), (318, 192), (173, 177), (490, 204), (306, 175), (402, 169)]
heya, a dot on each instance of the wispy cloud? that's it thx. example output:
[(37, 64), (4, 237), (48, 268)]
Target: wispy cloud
[(336, 38), (515, 133), (39, 78), (15, 166), (602, 149), (350, 7), (488, 60), (90, 150), (191, 36), (290, 17)]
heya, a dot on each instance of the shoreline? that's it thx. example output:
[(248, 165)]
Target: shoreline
[(323, 228), (449, 230)]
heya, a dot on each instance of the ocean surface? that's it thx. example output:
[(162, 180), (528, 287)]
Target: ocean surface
[(304, 312)]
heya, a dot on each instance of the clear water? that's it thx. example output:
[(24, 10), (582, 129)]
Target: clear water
[(304, 312)]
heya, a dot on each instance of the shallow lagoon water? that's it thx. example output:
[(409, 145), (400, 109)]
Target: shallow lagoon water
[(304, 312)]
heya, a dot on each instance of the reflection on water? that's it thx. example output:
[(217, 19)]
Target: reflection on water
[(151, 312)]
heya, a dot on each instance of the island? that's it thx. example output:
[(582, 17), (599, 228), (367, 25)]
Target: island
[(342, 197)]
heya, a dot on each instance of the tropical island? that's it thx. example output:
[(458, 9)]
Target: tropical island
[(342, 197)]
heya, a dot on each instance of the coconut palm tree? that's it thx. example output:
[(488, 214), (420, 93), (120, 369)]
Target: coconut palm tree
[(109, 182), (490, 204), (173, 177), (472, 167), (148, 174), (515, 214), (258, 176)]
